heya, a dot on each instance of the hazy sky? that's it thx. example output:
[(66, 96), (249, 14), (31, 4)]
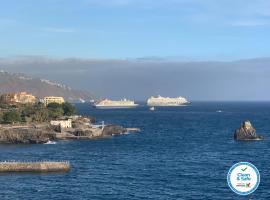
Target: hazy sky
[(181, 29), (246, 80), (139, 48)]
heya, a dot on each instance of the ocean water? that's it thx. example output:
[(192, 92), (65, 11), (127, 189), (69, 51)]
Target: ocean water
[(181, 153)]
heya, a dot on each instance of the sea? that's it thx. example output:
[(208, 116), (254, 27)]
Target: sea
[(181, 153)]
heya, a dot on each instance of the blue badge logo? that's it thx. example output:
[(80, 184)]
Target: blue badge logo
[(243, 178)]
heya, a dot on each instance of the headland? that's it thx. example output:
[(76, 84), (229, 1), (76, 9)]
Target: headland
[(26, 120)]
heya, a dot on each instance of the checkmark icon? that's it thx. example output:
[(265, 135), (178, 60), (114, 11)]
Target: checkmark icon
[(244, 169)]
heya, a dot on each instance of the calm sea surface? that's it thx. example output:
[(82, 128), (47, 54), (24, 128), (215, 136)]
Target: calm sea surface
[(181, 153)]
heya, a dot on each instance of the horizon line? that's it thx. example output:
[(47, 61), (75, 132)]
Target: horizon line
[(137, 59)]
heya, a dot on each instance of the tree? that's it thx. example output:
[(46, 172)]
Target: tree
[(58, 110), (68, 109), (56, 113), (1, 116), (42, 115), (11, 117), (55, 110), (27, 110), (54, 105)]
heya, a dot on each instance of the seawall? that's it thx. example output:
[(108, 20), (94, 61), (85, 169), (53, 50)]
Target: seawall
[(34, 166)]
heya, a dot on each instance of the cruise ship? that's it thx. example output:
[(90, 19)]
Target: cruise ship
[(107, 103), (166, 101)]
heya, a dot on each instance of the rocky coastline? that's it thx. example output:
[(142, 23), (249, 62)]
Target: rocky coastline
[(45, 132)]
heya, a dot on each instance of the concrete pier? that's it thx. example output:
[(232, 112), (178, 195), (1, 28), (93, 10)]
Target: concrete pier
[(47, 166)]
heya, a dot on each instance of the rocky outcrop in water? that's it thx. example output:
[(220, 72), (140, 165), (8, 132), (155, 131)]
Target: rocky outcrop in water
[(91, 133), (246, 132), (112, 130)]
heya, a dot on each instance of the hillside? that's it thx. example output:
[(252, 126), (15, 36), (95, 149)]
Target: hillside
[(40, 87)]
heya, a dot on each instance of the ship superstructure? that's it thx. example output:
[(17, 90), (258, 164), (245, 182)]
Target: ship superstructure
[(166, 101), (123, 103)]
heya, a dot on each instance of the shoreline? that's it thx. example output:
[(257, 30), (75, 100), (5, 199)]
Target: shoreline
[(42, 133)]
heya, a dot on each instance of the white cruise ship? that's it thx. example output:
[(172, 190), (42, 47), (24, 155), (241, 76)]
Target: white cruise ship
[(166, 101), (107, 103)]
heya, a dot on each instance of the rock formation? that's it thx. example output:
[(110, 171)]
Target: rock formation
[(43, 133), (112, 130), (246, 132), (27, 135)]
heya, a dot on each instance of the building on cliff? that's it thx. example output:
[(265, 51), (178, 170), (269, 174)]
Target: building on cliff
[(18, 98), (52, 99), (62, 123)]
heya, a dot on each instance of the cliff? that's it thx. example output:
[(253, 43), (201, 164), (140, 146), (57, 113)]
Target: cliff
[(26, 134), (43, 133), (40, 87)]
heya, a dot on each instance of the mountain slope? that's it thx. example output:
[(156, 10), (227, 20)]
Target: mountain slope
[(40, 87)]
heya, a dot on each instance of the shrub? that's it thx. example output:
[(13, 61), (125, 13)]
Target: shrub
[(11, 117)]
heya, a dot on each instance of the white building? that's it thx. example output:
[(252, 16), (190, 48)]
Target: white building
[(52, 99), (62, 123)]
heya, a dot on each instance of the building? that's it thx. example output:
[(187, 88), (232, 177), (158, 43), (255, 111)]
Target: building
[(62, 123), (18, 98), (51, 99)]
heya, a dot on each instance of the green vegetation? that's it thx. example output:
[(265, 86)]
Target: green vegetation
[(34, 112), (66, 109), (11, 117)]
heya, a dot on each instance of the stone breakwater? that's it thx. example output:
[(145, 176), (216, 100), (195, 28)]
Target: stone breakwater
[(41, 167)]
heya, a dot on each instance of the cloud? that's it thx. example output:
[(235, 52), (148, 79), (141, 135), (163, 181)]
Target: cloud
[(58, 30), (109, 78)]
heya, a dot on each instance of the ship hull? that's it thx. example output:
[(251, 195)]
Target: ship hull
[(114, 107), (167, 105)]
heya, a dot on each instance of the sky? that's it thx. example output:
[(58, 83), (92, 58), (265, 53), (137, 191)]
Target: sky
[(138, 79), (200, 49), (121, 29)]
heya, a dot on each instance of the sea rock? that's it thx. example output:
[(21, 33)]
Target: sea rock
[(81, 132), (246, 132), (111, 130)]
